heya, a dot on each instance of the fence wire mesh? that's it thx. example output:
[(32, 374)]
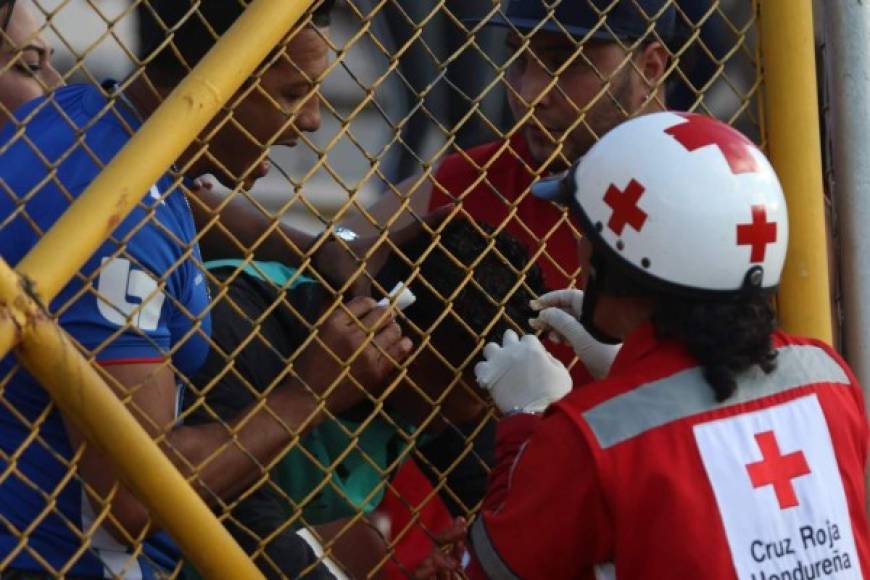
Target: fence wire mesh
[(222, 309)]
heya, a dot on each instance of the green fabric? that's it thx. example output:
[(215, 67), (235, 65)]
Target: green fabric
[(347, 482), (275, 272)]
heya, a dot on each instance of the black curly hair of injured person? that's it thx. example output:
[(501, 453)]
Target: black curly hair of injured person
[(495, 298)]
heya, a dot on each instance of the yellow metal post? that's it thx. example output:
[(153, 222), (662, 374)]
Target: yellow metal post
[(157, 145), (792, 127), (82, 395)]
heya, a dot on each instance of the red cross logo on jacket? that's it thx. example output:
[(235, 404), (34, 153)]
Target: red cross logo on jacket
[(777, 469)]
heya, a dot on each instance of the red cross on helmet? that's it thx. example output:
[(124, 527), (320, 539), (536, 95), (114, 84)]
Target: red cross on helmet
[(683, 203)]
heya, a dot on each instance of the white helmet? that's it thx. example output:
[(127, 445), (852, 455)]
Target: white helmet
[(680, 203)]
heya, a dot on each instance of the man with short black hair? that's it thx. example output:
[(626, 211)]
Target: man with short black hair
[(282, 104), (192, 38)]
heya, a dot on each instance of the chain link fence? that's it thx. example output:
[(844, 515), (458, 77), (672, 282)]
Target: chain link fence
[(221, 310)]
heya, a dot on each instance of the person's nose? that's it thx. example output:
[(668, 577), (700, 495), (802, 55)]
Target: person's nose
[(308, 116), (50, 77)]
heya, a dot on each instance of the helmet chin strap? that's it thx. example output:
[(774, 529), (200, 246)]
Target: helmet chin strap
[(590, 299)]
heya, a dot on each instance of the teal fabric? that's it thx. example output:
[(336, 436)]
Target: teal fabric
[(275, 272), (346, 481)]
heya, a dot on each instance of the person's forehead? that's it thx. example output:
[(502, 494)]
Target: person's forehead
[(306, 48)]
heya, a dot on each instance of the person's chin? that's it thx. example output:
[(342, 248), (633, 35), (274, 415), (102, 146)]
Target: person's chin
[(247, 182), (540, 148), (258, 172)]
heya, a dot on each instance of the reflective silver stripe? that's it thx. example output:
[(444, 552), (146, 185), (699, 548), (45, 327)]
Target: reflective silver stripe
[(605, 571), (686, 393), (487, 555)]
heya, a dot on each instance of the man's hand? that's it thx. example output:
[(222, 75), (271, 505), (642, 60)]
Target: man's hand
[(445, 560), (343, 333), (521, 375), (339, 260), (559, 314)]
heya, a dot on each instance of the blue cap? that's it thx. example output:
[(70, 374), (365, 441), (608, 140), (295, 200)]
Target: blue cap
[(622, 20), (556, 188)]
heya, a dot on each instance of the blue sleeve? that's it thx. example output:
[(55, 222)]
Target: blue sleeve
[(136, 298), (150, 301)]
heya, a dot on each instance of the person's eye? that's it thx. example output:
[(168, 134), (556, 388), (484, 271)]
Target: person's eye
[(297, 95), (29, 68)]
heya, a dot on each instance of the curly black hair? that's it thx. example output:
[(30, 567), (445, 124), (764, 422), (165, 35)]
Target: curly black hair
[(727, 337), (482, 280), (194, 34)]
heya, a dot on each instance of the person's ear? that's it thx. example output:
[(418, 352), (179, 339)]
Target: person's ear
[(652, 64)]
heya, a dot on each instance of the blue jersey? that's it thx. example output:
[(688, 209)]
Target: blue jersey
[(144, 300)]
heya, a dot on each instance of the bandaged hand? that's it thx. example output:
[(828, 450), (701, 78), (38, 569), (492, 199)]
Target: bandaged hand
[(559, 313), (520, 375)]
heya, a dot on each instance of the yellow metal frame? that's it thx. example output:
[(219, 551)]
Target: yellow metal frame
[(794, 143), (49, 354)]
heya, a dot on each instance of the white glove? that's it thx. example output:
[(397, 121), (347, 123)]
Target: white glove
[(521, 375), (560, 313)]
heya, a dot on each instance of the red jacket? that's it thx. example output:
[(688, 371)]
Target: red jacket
[(645, 473)]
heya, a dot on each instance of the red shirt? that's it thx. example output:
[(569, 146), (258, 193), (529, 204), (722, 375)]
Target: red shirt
[(491, 182), (646, 472)]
